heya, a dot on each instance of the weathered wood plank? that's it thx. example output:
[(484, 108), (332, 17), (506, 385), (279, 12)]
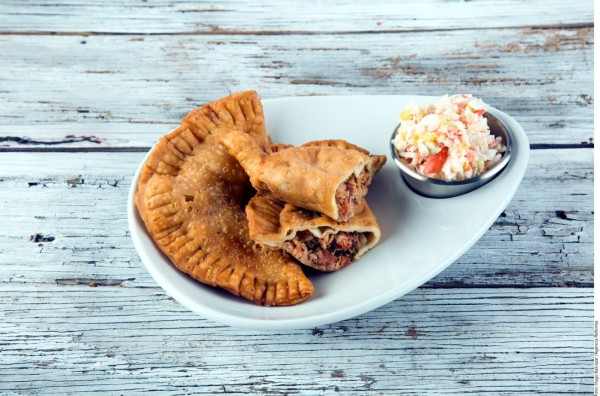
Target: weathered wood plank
[(64, 221), (76, 339), (80, 135), (540, 76), (280, 16), (79, 313)]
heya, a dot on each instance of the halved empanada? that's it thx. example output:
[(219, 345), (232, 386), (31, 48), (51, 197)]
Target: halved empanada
[(191, 197), (330, 177), (312, 238)]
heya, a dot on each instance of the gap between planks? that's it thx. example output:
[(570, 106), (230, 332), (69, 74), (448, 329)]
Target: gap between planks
[(536, 146), (233, 32)]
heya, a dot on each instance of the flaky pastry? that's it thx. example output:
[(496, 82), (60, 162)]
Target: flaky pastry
[(312, 238), (191, 196), (330, 177)]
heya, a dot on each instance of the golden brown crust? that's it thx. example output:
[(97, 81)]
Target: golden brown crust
[(272, 222), (337, 143), (276, 147), (307, 176), (377, 161), (191, 194)]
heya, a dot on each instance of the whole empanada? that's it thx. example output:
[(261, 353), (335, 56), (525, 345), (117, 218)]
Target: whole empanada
[(310, 237), (191, 197), (330, 177)]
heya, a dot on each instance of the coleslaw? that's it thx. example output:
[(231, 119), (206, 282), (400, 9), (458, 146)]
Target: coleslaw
[(450, 140)]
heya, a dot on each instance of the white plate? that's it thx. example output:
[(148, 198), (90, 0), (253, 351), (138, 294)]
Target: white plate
[(420, 236)]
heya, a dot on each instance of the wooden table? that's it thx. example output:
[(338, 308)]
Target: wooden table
[(87, 87)]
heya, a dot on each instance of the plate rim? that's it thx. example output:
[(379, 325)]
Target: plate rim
[(137, 233)]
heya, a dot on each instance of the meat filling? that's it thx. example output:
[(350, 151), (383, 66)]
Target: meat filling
[(350, 193), (328, 253)]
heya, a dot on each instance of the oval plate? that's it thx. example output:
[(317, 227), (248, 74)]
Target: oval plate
[(420, 236)]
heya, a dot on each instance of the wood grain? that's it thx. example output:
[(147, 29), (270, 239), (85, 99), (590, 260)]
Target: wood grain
[(79, 200), (63, 340), (539, 76), (86, 88), (282, 16)]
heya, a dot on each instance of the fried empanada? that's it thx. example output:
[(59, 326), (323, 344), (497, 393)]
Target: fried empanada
[(330, 177), (312, 238), (191, 196)]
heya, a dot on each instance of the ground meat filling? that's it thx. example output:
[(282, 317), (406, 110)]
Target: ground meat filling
[(350, 193), (328, 253)]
